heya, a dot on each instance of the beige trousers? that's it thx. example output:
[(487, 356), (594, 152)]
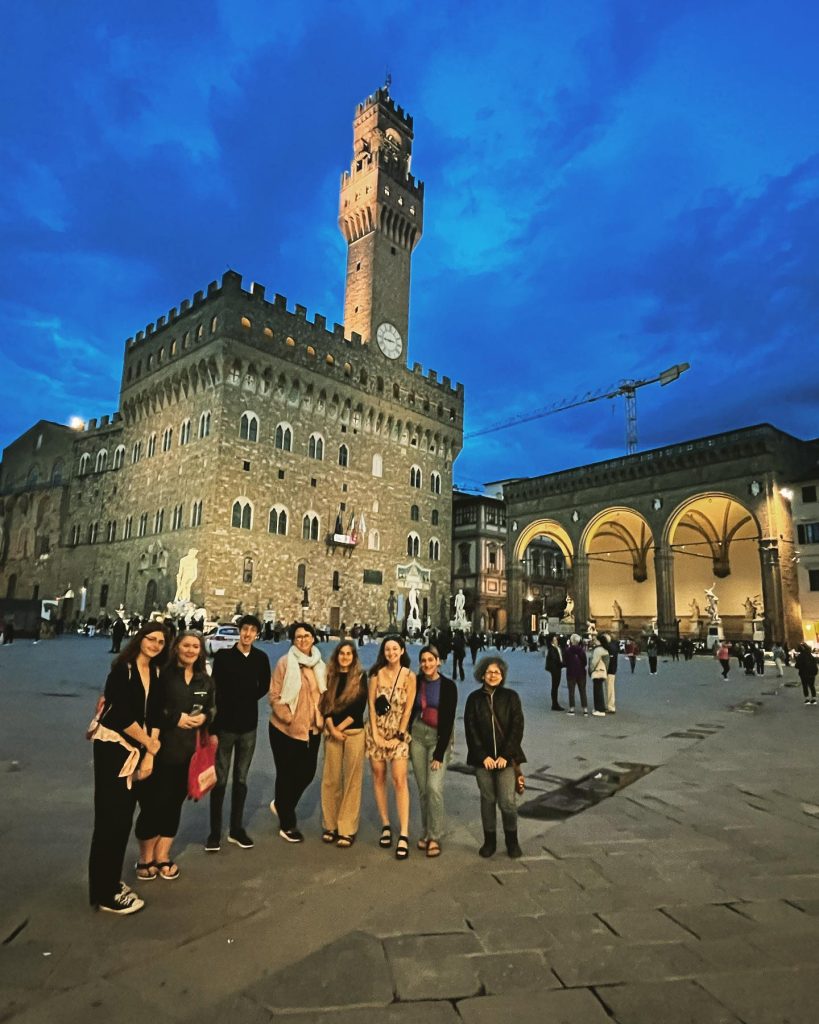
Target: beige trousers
[(610, 705), (341, 783)]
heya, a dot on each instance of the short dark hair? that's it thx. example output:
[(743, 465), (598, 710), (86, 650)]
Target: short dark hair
[(250, 620), (484, 663), (291, 633)]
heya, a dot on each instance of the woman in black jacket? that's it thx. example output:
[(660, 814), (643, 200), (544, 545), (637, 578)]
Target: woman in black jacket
[(493, 720), (432, 724), (125, 737), (554, 666), (806, 667), (184, 704)]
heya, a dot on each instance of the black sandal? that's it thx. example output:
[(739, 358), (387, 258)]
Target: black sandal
[(402, 848), (386, 837), (344, 842), (329, 836), (173, 870), (146, 871)]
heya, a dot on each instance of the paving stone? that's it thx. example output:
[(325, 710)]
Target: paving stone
[(783, 949), (352, 971), (433, 966), (426, 946), (559, 1007), (428, 1012), (508, 973), (734, 953), (576, 928), (99, 1000), (645, 926), (415, 916), (672, 1002), (709, 921), (498, 933), (617, 961), (773, 997), (776, 914)]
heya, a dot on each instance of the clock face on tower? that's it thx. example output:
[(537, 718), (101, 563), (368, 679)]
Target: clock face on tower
[(389, 340)]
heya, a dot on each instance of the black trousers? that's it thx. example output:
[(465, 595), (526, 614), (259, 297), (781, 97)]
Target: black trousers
[(295, 769), (458, 664), (598, 686), (114, 807), (652, 662), (555, 674), (161, 798)]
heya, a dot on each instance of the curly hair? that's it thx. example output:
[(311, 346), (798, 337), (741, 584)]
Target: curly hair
[(483, 665)]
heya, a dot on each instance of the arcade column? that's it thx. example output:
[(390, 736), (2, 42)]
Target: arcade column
[(666, 601), (514, 598), (778, 624), (580, 592)]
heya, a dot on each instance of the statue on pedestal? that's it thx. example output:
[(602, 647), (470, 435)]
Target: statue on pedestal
[(617, 611), (186, 575), (568, 611), (392, 606), (460, 621), (712, 606)]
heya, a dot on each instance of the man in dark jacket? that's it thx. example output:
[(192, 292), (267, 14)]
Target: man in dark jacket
[(241, 676), (611, 678)]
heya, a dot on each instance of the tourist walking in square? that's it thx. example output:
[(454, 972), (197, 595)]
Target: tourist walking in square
[(576, 660), (806, 667), (599, 670), (554, 666), (611, 678)]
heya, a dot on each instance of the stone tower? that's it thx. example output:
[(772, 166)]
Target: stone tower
[(381, 211)]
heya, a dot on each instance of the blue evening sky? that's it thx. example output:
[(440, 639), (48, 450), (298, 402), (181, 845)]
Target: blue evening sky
[(612, 187)]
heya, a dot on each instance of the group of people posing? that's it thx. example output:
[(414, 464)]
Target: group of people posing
[(156, 702)]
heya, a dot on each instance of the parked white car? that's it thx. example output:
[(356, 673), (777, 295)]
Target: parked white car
[(220, 638)]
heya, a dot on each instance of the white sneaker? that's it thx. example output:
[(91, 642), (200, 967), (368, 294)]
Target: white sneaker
[(123, 903), (599, 714)]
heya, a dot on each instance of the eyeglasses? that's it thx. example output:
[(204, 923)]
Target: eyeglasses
[(303, 636)]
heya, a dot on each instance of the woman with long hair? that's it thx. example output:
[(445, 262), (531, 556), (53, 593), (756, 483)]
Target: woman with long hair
[(343, 704), (493, 722), (296, 724), (391, 695), (126, 740), (432, 724), (184, 704)]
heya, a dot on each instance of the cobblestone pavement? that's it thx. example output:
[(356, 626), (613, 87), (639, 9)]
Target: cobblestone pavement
[(690, 895)]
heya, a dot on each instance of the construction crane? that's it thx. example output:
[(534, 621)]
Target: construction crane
[(626, 388)]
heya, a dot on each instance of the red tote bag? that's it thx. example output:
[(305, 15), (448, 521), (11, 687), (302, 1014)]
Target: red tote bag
[(202, 769)]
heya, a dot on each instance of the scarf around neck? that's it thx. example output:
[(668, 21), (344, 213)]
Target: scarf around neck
[(292, 677)]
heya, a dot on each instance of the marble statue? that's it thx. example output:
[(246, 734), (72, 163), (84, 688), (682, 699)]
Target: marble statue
[(617, 611), (568, 611), (460, 604), (392, 606), (186, 575), (413, 604), (712, 606)]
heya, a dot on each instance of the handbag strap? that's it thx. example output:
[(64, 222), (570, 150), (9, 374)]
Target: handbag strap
[(392, 691)]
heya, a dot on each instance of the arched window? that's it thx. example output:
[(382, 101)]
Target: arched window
[(343, 455), (151, 446), (129, 525), (374, 540), (242, 514), (57, 471), (378, 465), (435, 550), (249, 427), (196, 513), (415, 476), (200, 330), (336, 581), (176, 520), (102, 460), (301, 575), (284, 437), (119, 456), (143, 525), (435, 517), (413, 545), (159, 520), (310, 526), (315, 447), (214, 324), (396, 391), (111, 531), (435, 483), (136, 451), (167, 439), (204, 424), (93, 532), (184, 432), (247, 570), (415, 513), (85, 462), (277, 520)]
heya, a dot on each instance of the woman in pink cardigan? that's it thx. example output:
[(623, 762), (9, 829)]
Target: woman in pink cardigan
[(296, 723)]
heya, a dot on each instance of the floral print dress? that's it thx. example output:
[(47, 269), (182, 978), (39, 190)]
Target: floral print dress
[(389, 724)]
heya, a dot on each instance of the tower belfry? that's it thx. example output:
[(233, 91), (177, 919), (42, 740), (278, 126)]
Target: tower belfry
[(381, 210)]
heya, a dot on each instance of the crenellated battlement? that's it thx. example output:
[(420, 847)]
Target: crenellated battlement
[(383, 97), (365, 163), (248, 315)]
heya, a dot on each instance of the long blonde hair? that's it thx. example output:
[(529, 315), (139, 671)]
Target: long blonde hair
[(331, 701)]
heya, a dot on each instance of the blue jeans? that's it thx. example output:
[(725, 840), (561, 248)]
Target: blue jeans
[(497, 789), (430, 783), (241, 745)]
